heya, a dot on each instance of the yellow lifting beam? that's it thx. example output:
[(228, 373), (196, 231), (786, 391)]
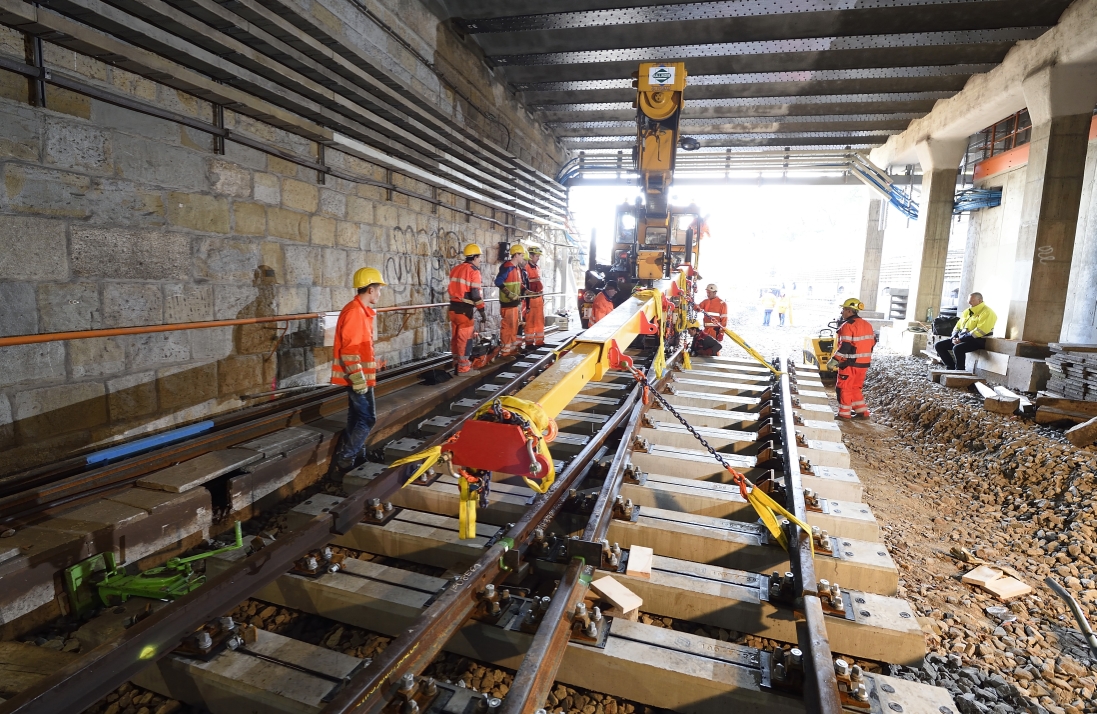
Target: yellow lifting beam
[(588, 360)]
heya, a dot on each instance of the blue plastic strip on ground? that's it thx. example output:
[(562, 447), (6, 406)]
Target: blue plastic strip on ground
[(149, 442)]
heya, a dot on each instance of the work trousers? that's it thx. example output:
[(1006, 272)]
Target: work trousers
[(850, 398), (535, 322), (508, 333), (765, 317), (460, 341), (781, 317), (945, 349), (361, 416)]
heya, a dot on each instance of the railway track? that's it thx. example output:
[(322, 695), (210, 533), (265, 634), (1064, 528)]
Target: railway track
[(638, 504)]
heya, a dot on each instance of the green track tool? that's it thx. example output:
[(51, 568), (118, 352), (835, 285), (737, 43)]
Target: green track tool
[(100, 582)]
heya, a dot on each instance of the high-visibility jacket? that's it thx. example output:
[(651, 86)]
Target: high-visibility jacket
[(784, 303), (978, 320), (716, 311), (602, 306), (511, 282), (533, 273), (855, 341), (354, 363), (768, 300), (466, 292)]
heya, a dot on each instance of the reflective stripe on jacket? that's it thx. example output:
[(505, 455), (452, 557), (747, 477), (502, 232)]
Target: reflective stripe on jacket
[(716, 310), (978, 320), (513, 279), (534, 275), (466, 291), (855, 342), (353, 362)]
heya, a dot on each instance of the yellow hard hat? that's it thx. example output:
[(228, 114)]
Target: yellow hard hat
[(535, 250), (367, 276), (694, 323), (854, 304), (472, 250), (517, 248)]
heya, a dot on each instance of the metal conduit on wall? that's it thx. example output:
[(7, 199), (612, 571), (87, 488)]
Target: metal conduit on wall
[(145, 329)]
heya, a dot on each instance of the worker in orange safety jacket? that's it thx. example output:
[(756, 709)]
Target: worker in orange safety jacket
[(854, 340), (535, 303), (603, 303), (354, 366), (513, 285), (466, 293), (715, 313)]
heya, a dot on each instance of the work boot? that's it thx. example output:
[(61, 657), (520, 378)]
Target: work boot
[(338, 467), (863, 415)]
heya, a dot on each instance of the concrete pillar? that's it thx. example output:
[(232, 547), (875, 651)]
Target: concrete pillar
[(1060, 102), (940, 160), (874, 249)]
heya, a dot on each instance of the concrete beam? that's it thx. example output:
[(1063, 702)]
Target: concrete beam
[(987, 98)]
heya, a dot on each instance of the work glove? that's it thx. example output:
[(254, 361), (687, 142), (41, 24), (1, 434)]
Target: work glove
[(358, 382), (483, 313), (833, 364)]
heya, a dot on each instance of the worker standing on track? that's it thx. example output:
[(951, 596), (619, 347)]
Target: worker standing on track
[(513, 285), (768, 303), (855, 340), (466, 294), (716, 313), (354, 366), (784, 306), (535, 303), (603, 303)]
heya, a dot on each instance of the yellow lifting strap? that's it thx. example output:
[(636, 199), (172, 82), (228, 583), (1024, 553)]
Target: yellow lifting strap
[(429, 457), (660, 361), (686, 364), (751, 351), (536, 416), (467, 512), (766, 507)]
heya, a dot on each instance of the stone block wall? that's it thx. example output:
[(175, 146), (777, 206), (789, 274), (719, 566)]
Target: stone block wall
[(111, 218)]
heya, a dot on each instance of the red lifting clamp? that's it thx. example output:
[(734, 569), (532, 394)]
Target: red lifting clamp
[(502, 448)]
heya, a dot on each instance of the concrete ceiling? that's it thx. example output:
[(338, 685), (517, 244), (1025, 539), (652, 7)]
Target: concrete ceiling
[(763, 73)]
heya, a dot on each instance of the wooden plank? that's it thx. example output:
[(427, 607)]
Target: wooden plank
[(1007, 588), (619, 596), (1001, 405), (1052, 415), (639, 562), (199, 470), (1075, 406), (985, 391), (746, 546), (956, 380), (1084, 434)]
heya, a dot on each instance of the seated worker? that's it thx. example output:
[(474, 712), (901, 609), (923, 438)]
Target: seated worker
[(704, 344), (974, 326), (603, 304)]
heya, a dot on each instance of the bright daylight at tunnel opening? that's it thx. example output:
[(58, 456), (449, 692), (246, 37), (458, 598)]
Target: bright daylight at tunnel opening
[(572, 357)]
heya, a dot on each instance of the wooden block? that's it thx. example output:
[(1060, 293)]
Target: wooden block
[(1075, 406), (956, 380), (621, 597), (982, 575), (1084, 434), (1001, 405), (1007, 588), (198, 471), (1052, 415), (639, 562), (1023, 401)]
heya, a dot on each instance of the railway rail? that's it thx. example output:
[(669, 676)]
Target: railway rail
[(631, 477)]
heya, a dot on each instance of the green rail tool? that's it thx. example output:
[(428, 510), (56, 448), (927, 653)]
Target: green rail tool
[(100, 582)]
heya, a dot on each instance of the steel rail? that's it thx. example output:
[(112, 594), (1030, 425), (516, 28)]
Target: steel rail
[(97, 673), (413, 650), (22, 495), (820, 683), (535, 676)]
